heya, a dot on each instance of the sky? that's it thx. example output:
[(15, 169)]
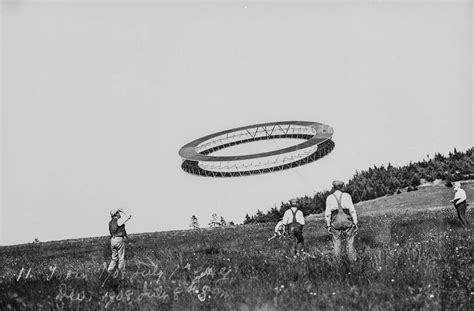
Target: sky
[(98, 97)]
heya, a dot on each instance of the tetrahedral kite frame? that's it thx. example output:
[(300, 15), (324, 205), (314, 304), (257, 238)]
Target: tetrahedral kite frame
[(198, 161)]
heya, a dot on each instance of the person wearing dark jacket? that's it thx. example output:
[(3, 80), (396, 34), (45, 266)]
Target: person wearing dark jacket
[(117, 236)]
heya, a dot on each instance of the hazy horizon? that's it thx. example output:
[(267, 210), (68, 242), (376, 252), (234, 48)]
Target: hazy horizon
[(97, 99)]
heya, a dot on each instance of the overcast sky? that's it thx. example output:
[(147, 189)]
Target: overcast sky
[(98, 98)]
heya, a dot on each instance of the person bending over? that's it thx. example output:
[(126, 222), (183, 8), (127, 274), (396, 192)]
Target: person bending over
[(460, 203), (279, 231)]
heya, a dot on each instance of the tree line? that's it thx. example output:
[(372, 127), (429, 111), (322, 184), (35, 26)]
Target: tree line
[(215, 222), (380, 181)]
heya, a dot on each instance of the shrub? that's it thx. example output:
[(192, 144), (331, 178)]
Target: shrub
[(411, 188), (429, 178)]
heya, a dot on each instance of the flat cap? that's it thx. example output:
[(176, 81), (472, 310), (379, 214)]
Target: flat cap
[(115, 211), (337, 183), (293, 200)]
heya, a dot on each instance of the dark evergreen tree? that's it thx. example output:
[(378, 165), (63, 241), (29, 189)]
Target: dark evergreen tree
[(223, 222), (194, 222)]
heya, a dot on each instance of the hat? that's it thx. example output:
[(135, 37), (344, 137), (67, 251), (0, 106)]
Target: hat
[(337, 183), (293, 200), (115, 211)]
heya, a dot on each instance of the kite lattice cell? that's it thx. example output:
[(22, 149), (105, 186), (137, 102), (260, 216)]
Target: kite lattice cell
[(197, 158)]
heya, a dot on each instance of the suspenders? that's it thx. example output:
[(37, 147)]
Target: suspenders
[(339, 205), (294, 215)]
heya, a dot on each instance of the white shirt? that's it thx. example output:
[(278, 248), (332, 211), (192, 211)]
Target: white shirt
[(288, 216), (460, 196), (346, 202)]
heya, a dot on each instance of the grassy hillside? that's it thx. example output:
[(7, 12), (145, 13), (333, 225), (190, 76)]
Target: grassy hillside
[(413, 255), (376, 182), (427, 197)]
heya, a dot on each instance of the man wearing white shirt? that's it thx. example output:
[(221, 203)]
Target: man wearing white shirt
[(341, 220), (460, 203), (293, 219), (117, 235), (279, 230)]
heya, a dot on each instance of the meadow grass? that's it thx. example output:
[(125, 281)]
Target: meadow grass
[(419, 260)]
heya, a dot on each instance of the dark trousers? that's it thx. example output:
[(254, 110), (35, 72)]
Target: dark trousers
[(461, 209), (297, 231)]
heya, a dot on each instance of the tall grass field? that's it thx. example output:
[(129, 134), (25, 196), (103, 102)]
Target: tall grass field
[(412, 254)]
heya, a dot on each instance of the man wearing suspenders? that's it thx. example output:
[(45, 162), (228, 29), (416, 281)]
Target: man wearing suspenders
[(341, 220), (293, 219)]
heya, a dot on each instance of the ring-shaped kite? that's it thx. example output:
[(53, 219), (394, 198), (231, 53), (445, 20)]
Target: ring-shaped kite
[(197, 158)]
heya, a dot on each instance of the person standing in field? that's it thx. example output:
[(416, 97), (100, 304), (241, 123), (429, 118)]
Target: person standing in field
[(460, 203), (341, 220), (117, 236), (293, 219)]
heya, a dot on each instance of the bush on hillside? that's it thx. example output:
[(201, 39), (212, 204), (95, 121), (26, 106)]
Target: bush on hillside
[(376, 182), (410, 189)]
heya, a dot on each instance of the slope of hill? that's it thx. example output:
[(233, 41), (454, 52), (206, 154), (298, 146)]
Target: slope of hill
[(427, 197), (377, 182), (406, 260)]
